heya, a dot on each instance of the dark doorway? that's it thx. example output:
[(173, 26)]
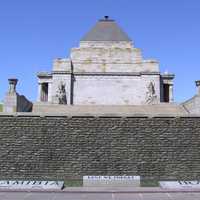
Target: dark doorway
[(44, 92), (166, 92)]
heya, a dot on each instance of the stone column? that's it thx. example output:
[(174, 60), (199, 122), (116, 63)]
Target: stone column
[(198, 87), (171, 93), (49, 92), (39, 92), (10, 101), (12, 85)]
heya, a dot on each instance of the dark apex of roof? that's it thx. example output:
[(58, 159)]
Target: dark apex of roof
[(106, 30)]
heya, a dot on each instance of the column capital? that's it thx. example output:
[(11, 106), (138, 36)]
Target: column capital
[(198, 86), (12, 85)]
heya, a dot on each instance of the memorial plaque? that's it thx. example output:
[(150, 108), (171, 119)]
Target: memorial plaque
[(40, 185), (180, 184), (112, 181)]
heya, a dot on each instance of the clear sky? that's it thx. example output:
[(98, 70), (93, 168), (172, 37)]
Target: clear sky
[(34, 32)]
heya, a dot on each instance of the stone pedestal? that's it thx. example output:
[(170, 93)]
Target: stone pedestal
[(14, 102), (10, 101)]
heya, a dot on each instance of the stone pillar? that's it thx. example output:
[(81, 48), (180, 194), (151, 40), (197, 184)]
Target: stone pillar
[(171, 93), (10, 100), (49, 92), (39, 91), (198, 87), (12, 85), (13, 102)]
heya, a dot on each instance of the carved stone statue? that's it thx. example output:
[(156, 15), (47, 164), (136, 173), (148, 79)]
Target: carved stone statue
[(61, 94), (151, 96)]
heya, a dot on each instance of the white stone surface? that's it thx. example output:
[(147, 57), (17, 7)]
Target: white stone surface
[(57, 79), (10, 102), (110, 57), (108, 44), (62, 64), (179, 184), (42, 185), (113, 90), (111, 181)]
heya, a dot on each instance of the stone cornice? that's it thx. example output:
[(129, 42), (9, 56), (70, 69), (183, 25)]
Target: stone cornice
[(115, 73), (44, 75)]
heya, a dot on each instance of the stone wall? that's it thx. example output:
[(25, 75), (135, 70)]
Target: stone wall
[(61, 147), (114, 89)]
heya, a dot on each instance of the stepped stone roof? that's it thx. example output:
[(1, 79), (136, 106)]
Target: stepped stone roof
[(106, 30)]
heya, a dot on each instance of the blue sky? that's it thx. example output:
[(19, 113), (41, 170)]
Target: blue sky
[(34, 32)]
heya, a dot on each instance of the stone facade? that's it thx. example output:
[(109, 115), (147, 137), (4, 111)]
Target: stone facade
[(60, 147), (106, 69)]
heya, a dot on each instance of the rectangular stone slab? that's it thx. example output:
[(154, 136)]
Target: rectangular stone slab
[(40, 185), (112, 181), (179, 184)]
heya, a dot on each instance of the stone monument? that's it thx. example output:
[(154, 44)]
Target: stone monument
[(105, 70), (105, 111)]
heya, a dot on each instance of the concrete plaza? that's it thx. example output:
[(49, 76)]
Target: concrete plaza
[(97, 196), (102, 194)]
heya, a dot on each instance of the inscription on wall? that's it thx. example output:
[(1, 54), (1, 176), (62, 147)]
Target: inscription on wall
[(179, 184), (111, 181), (41, 185)]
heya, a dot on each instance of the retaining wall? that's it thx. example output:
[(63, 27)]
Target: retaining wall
[(61, 147)]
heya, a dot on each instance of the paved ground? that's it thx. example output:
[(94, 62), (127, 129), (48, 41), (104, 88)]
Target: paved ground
[(98, 196)]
